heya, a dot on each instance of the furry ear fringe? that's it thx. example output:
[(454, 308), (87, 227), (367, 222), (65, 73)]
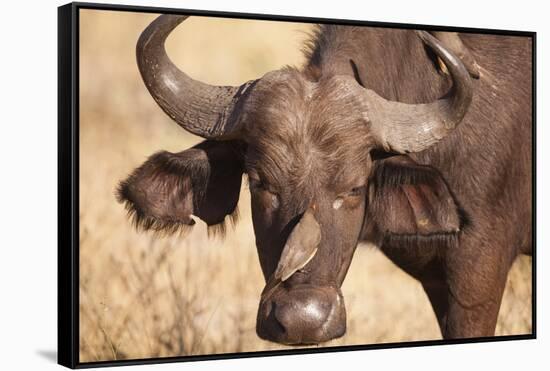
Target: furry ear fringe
[(394, 175), (168, 170), (219, 230), (166, 227), (412, 241), (163, 227)]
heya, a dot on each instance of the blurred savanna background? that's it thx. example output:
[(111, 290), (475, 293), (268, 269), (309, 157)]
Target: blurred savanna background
[(146, 296)]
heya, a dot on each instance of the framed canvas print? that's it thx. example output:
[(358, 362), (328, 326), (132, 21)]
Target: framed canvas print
[(236, 185)]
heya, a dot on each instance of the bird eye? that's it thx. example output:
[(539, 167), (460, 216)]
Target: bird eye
[(271, 199)]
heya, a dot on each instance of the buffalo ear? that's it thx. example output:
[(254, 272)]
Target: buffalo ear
[(205, 180), (412, 202)]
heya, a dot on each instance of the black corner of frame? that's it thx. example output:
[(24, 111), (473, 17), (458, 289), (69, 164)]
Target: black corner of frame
[(67, 257)]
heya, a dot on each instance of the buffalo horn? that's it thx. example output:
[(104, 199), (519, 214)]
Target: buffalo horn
[(205, 110), (403, 128)]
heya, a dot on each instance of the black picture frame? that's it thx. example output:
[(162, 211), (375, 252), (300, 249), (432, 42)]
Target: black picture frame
[(68, 184)]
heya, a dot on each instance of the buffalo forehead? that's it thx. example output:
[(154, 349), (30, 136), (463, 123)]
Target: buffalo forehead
[(307, 130)]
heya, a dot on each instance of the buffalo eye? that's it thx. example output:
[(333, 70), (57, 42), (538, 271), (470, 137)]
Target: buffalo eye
[(349, 199), (269, 198)]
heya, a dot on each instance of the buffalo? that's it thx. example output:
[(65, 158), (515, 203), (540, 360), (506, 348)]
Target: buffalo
[(418, 142)]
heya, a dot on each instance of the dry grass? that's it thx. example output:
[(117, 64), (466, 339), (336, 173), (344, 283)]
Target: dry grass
[(142, 296)]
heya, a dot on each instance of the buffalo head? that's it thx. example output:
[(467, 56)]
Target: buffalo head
[(306, 145)]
